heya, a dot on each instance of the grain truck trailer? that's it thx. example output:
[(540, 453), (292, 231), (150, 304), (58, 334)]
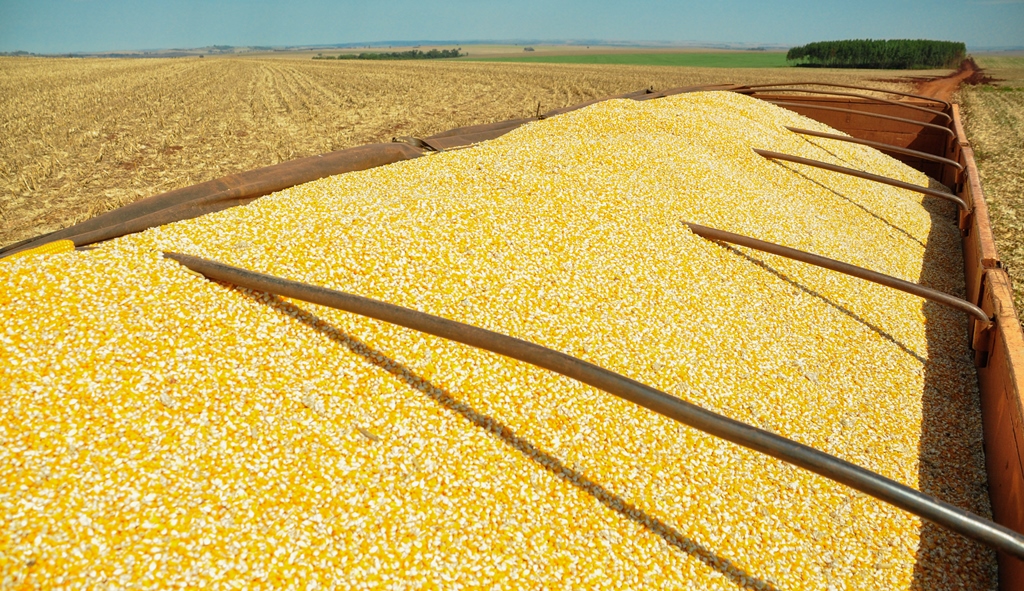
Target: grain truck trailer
[(922, 132)]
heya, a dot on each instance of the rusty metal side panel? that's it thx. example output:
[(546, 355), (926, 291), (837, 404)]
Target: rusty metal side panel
[(979, 246), (1001, 378), (956, 149), (1002, 408), (974, 271), (981, 228), (905, 135)]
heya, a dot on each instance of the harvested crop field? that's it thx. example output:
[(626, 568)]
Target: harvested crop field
[(694, 59), (171, 431), (81, 137)]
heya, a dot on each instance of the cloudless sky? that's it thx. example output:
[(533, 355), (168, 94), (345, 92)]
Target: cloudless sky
[(54, 26)]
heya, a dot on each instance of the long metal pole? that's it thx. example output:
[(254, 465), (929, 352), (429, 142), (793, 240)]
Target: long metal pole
[(906, 94), (864, 175), (880, 487), (879, 145), (845, 268), (854, 95), (944, 130)]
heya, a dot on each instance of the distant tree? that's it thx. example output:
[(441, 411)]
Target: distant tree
[(413, 54), (891, 54)]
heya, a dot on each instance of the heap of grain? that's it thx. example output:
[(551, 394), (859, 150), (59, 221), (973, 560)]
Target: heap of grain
[(163, 430)]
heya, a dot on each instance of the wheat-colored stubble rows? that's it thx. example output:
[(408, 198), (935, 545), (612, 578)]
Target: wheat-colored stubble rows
[(83, 136)]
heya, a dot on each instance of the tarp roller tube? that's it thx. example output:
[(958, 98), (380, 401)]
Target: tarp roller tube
[(880, 487), (855, 87), (904, 105), (789, 104), (864, 175), (878, 145), (845, 268)]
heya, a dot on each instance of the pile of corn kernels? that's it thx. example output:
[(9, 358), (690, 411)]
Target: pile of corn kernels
[(159, 430)]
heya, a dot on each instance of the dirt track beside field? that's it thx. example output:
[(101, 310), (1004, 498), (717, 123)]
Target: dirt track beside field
[(944, 87)]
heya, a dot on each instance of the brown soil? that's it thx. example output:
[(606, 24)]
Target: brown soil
[(944, 87)]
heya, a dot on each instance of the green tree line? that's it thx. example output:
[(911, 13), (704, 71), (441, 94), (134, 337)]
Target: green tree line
[(888, 54), (414, 54)]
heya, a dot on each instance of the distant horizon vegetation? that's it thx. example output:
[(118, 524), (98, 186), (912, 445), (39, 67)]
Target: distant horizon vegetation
[(879, 54), (660, 46), (413, 54)]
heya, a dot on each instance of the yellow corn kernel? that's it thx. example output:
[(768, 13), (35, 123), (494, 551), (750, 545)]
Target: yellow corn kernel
[(54, 247), (163, 430)]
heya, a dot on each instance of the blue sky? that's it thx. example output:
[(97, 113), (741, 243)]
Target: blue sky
[(52, 26)]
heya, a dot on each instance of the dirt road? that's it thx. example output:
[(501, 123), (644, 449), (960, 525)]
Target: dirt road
[(943, 88)]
